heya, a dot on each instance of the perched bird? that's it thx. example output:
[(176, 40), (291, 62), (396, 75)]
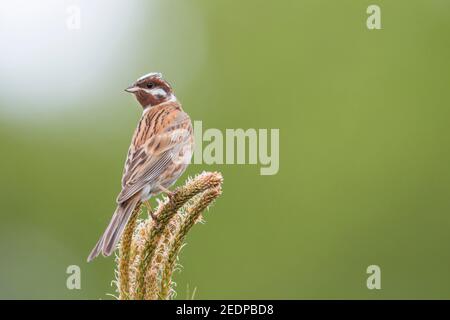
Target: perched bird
[(160, 151)]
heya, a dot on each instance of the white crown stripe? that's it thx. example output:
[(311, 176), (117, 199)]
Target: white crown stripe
[(151, 74)]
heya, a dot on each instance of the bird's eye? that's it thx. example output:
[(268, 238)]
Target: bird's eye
[(150, 85)]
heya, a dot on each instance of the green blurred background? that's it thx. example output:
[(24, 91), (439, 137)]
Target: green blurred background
[(364, 142)]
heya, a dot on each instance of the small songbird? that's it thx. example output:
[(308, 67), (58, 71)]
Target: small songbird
[(160, 150)]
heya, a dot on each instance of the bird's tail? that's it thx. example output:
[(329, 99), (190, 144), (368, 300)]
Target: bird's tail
[(111, 237)]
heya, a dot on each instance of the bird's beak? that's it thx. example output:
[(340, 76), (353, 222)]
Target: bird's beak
[(132, 89)]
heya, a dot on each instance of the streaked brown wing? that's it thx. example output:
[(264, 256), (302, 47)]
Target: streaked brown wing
[(148, 159)]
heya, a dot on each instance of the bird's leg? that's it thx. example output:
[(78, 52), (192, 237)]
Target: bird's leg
[(149, 209), (169, 193)]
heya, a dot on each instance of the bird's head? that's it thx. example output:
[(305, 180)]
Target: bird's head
[(151, 89)]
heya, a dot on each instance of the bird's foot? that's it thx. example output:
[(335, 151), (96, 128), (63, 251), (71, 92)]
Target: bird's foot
[(169, 193), (150, 210)]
